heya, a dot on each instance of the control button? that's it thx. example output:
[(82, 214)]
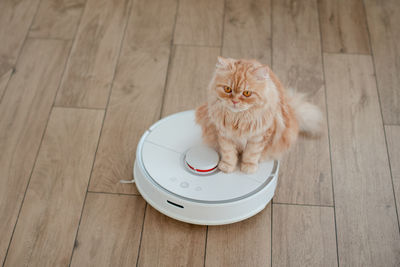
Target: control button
[(202, 159), (197, 188), (184, 184)]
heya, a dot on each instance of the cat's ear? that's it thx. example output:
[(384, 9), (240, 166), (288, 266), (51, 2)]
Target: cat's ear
[(261, 73), (224, 63)]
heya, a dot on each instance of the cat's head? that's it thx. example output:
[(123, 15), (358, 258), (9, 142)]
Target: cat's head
[(241, 84)]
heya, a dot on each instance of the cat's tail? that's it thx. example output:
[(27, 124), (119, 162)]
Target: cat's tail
[(308, 115)]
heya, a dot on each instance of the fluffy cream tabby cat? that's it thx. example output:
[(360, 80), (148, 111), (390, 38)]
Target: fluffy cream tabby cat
[(249, 116)]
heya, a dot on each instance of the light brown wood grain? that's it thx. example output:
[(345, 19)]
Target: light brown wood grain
[(383, 24), (151, 24), (24, 110), (191, 71), (57, 19), (246, 243), (305, 173), (393, 143), (343, 26), (48, 222), (168, 242), (15, 20), (94, 55), (31, 70), (137, 93), (247, 30), (199, 22), (4, 81), (303, 236), (367, 228), (110, 230)]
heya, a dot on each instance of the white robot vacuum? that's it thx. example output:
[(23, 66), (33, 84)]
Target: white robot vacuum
[(178, 175)]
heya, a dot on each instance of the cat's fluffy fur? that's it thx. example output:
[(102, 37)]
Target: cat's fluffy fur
[(258, 127)]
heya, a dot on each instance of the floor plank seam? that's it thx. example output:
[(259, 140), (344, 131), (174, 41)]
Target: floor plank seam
[(141, 235), (76, 107), (391, 176), (20, 50), (9, 78), (171, 52), (205, 247), (272, 67), (104, 117), (223, 27), (27, 186), (369, 36), (114, 193), (65, 68), (383, 121), (197, 45), (50, 38), (329, 134), (272, 222), (391, 124), (303, 205), (41, 140), (350, 54)]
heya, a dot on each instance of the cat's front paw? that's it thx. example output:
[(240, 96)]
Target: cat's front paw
[(248, 167), (226, 167)]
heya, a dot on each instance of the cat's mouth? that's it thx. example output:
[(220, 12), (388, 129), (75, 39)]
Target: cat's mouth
[(236, 108), (232, 107)]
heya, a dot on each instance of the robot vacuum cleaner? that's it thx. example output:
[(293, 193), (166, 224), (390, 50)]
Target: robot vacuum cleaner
[(178, 175)]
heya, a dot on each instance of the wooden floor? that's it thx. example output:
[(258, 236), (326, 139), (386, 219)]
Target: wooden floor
[(80, 81)]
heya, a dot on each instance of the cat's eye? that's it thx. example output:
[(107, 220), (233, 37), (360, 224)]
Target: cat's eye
[(227, 89), (247, 93)]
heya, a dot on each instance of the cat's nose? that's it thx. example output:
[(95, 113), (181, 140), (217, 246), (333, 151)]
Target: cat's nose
[(235, 102)]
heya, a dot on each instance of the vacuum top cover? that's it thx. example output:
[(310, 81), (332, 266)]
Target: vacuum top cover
[(175, 159)]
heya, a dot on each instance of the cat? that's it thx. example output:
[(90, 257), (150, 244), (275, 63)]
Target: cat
[(249, 115)]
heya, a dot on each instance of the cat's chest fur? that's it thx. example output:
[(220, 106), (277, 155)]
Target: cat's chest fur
[(237, 130), (239, 127)]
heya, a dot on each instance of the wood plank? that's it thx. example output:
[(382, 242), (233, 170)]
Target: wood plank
[(139, 80), (57, 19), (393, 143), (305, 173), (383, 24), (168, 242), (343, 26), (151, 24), (15, 20), (52, 208), (303, 236), (199, 22), (247, 30), (367, 228), (94, 55), (109, 233), (246, 243), (24, 112), (184, 90)]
